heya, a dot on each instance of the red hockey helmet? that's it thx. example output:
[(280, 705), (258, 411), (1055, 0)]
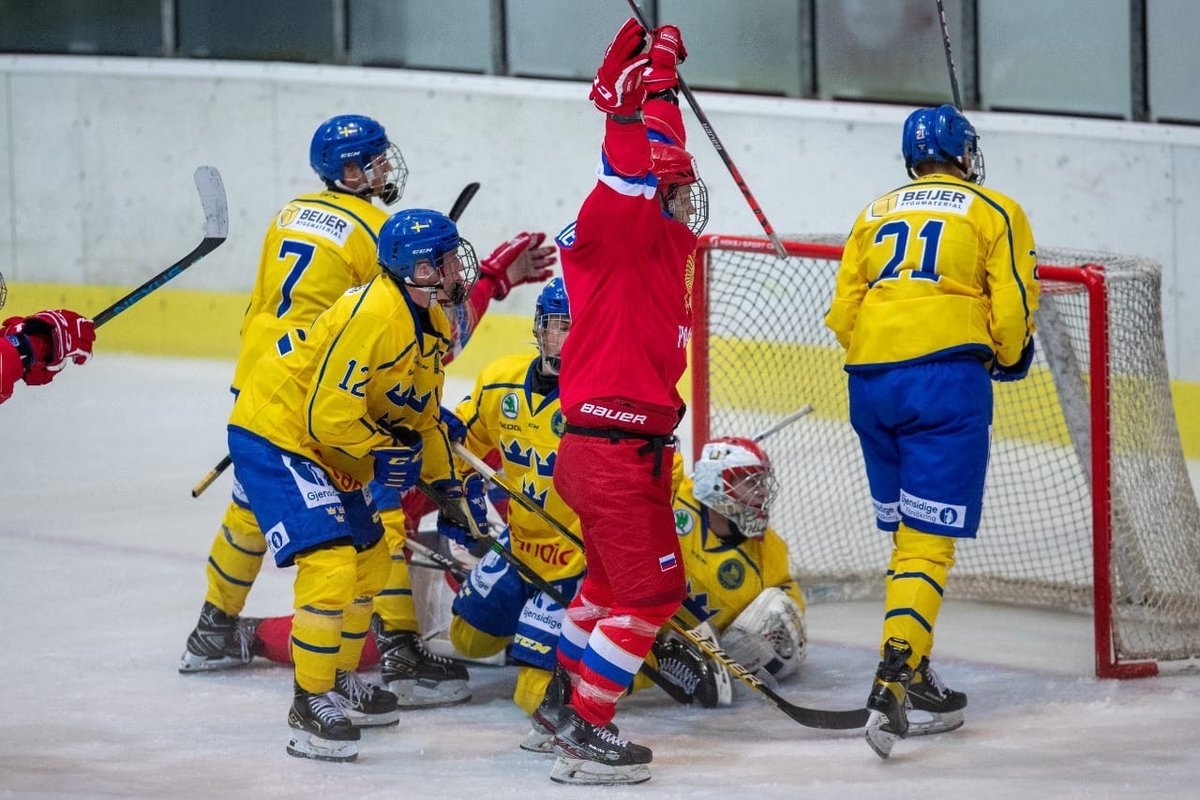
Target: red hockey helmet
[(674, 167)]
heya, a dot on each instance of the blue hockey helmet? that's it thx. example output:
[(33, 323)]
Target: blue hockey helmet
[(552, 300), (419, 236), (354, 139), (942, 134), (551, 322)]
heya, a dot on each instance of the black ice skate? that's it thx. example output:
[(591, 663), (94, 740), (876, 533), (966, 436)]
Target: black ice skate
[(545, 719), (364, 704), (593, 754), (217, 642), (689, 676), (928, 694), (417, 677), (889, 700), (319, 729)]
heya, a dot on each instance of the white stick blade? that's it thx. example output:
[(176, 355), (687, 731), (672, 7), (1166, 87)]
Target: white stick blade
[(212, 197)]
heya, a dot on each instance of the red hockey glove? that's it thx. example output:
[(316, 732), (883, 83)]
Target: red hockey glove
[(53, 336), (666, 53), (618, 87), (69, 335), (522, 259)]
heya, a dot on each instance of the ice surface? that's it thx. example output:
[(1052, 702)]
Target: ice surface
[(103, 575)]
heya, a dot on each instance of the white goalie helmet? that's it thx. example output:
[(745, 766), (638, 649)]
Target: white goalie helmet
[(734, 478)]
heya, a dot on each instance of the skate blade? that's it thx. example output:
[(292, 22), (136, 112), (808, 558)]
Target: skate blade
[(361, 720), (306, 745), (538, 741), (881, 741), (581, 772), (939, 723), (190, 663), (412, 694)]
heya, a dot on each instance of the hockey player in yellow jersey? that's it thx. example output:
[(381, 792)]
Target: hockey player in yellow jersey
[(514, 409), (935, 294), (318, 246), (740, 589), (355, 397)]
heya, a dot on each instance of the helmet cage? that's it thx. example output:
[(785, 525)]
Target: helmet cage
[(464, 264), (673, 167), (734, 477)]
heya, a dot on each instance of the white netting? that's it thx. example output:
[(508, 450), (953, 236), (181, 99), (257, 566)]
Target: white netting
[(769, 352)]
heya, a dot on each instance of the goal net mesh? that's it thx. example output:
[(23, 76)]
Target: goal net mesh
[(769, 352)]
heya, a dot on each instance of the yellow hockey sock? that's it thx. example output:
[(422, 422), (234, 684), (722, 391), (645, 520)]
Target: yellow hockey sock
[(916, 581), (394, 602), (324, 589), (474, 643), (371, 567), (531, 688), (234, 560)]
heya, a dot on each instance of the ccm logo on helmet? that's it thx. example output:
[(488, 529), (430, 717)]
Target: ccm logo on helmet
[(612, 414)]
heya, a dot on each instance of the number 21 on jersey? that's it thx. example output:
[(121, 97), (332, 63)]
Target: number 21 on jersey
[(896, 234)]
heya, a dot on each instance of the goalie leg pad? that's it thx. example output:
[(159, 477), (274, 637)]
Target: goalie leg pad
[(769, 634)]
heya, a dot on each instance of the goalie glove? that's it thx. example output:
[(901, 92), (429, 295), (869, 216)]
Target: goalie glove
[(769, 637)]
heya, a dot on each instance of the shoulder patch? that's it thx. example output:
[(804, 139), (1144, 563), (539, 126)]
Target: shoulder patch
[(684, 522), (320, 221), (566, 237)]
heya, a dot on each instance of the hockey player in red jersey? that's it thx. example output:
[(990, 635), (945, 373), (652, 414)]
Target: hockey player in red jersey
[(37, 347), (628, 261)]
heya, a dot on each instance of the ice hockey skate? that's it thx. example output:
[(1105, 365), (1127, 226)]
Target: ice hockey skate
[(595, 755), (889, 701), (319, 729), (364, 704), (689, 676), (217, 642), (545, 719), (943, 705), (417, 677)]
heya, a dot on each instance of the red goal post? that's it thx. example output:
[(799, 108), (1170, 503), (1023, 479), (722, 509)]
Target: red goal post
[(1088, 503)]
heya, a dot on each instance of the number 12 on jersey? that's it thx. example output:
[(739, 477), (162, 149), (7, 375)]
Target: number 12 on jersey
[(899, 232)]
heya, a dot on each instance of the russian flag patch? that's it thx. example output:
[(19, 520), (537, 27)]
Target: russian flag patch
[(667, 562)]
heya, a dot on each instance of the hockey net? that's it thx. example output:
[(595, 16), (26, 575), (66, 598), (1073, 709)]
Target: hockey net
[(1088, 503)]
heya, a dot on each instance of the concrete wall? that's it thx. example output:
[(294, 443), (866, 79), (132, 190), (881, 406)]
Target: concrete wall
[(95, 176)]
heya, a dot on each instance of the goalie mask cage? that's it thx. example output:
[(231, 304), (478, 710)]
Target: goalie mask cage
[(1088, 503)]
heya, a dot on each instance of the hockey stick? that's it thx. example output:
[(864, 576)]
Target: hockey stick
[(460, 205), (719, 147), (809, 717), (949, 57), (3, 291), (803, 411), (216, 229), (463, 517), (436, 559), (460, 202), (212, 475)]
